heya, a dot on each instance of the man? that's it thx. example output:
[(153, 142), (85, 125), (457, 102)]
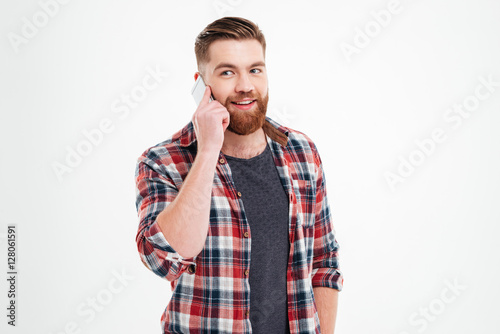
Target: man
[(233, 208)]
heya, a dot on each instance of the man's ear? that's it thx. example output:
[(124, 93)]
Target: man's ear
[(196, 75)]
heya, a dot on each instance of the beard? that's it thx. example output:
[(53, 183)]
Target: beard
[(244, 122)]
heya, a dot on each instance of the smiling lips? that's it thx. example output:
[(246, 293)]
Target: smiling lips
[(244, 104)]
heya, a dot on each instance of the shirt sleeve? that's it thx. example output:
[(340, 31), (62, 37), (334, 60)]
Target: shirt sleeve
[(325, 271), (154, 192)]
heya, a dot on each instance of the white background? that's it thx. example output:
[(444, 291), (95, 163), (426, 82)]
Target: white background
[(401, 246)]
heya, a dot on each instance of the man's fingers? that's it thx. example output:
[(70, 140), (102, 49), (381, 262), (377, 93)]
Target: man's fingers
[(206, 95), (225, 121)]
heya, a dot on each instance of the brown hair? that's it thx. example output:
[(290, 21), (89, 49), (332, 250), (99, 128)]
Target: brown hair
[(226, 28)]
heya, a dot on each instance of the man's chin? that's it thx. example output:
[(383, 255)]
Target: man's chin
[(243, 127), (243, 130)]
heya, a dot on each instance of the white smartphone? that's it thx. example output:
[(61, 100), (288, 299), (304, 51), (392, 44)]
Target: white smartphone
[(199, 90)]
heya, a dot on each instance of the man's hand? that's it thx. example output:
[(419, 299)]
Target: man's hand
[(210, 120)]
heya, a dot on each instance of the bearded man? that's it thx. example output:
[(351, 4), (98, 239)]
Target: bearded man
[(233, 208)]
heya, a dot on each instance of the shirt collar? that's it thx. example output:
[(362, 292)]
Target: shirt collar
[(271, 128)]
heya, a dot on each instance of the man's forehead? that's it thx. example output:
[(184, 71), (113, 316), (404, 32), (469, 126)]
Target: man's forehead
[(235, 52)]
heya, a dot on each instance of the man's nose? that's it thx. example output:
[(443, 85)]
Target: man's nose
[(244, 84)]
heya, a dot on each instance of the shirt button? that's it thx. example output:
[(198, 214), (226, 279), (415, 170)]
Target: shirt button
[(246, 272), (247, 312), (245, 234), (191, 269), (239, 194), (222, 160)]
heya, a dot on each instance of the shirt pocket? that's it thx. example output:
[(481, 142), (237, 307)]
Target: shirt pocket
[(305, 194)]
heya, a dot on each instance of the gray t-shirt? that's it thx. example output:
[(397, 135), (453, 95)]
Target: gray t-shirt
[(265, 203)]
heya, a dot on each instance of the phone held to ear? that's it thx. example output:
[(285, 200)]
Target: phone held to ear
[(199, 90)]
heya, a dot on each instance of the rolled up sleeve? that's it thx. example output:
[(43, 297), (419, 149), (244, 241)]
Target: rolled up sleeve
[(154, 192), (325, 271)]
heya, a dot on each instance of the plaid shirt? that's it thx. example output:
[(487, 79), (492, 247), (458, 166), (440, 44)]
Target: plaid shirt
[(211, 291)]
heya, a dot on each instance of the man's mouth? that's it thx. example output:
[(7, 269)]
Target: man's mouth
[(245, 104)]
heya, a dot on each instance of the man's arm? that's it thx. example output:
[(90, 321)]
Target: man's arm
[(173, 224), (184, 222), (325, 265), (327, 279), (326, 303)]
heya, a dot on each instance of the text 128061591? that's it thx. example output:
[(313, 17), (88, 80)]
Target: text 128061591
[(11, 274)]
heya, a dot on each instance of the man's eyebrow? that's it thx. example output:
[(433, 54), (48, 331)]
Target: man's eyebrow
[(259, 63), (229, 65)]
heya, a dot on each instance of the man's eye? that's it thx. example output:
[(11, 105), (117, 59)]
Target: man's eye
[(227, 73), (255, 70)]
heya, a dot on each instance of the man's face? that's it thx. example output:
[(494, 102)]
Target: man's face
[(237, 75)]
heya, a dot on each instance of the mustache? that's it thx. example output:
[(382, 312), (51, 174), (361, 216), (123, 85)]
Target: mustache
[(242, 96)]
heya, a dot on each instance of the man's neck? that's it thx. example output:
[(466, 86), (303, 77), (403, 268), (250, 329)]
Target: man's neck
[(244, 147)]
